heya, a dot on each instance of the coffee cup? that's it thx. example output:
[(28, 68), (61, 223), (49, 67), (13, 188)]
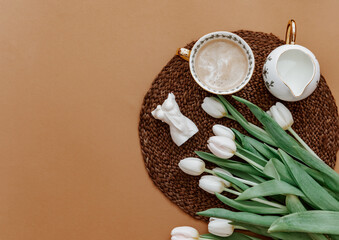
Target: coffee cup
[(291, 72), (220, 62)]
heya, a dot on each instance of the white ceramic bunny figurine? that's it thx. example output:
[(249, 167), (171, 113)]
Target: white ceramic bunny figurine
[(181, 127)]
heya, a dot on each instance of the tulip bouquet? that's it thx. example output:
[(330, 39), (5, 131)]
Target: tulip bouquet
[(281, 189)]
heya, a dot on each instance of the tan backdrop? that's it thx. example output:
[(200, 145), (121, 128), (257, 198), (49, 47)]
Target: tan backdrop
[(73, 74)]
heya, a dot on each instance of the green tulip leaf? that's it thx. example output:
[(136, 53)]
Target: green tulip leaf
[(254, 131), (232, 180), (294, 205), (255, 158), (271, 171), (247, 176), (262, 148), (259, 179), (312, 190), (234, 236), (244, 217), (315, 221), (269, 188), (242, 140), (227, 163), (275, 167), (334, 237), (279, 235), (284, 141), (250, 206)]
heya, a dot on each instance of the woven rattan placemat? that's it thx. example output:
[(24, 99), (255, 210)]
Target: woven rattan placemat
[(316, 121)]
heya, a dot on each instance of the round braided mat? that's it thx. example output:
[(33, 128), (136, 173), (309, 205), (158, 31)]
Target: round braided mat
[(316, 121)]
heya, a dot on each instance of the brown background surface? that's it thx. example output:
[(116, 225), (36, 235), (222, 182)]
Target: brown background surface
[(73, 75)]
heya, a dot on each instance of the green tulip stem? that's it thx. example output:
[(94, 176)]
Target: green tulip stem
[(251, 124), (213, 173), (240, 228), (230, 117), (237, 188), (277, 205), (257, 128), (246, 181), (232, 191), (239, 179), (209, 171), (302, 142), (249, 161)]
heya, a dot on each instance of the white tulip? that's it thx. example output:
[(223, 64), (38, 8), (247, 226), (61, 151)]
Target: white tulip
[(222, 147), (211, 184), (213, 107), (220, 227), (223, 171), (192, 166), (284, 118), (220, 130), (281, 115), (184, 233)]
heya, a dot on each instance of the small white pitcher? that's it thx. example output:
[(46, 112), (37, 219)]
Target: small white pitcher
[(291, 72)]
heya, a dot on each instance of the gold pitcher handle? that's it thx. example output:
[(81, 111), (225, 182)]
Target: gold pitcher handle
[(184, 53), (291, 32)]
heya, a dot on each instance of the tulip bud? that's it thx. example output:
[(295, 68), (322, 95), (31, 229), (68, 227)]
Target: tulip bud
[(184, 233), (213, 107), (220, 130), (220, 227), (192, 166), (222, 147), (211, 184), (223, 171), (281, 115)]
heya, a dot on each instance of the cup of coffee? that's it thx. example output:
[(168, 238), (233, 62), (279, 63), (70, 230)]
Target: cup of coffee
[(220, 62)]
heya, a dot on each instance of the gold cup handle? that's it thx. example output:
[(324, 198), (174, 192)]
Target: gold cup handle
[(184, 53), (291, 32)]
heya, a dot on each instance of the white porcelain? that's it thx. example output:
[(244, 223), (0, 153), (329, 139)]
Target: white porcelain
[(291, 72), (190, 55), (181, 127)]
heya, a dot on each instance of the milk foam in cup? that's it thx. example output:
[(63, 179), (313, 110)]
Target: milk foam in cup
[(220, 62)]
